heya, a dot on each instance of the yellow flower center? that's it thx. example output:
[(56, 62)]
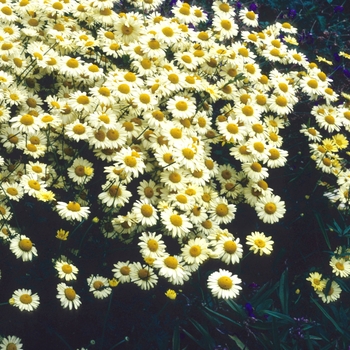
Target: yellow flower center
[(181, 106), (114, 191), (270, 208), (143, 274), (226, 24), (250, 15), (152, 245), (274, 154), (312, 83), (124, 88), (188, 153), (35, 185), (171, 262), (154, 44), (256, 167), (130, 161), (330, 119), (112, 134), (125, 270), (195, 250), (225, 282), (339, 266), (72, 63), (146, 210), (98, 285), (221, 210), (259, 243), (176, 220), (12, 191), (67, 269), (248, 111), (70, 293), (259, 147), (25, 244), (73, 206), (25, 299), (27, 119), (232, 128), (224, 7), (175, 177), (79, 129), (230, 247), (281, 101)]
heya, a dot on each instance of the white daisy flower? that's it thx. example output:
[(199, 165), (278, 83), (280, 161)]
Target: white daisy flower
[(223, 284), (25, 300), (68, 297), (72, 211), (99, 286), (23, 248)]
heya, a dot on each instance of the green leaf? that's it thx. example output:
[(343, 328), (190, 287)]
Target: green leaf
[(279, 315), (235, 307), (223, 316), (328, 316), (208, 340), (176, 338), (238, 342), (323, 230), (322, 21), (283, 292)]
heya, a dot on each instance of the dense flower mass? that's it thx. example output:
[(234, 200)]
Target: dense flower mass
[(159, 128)]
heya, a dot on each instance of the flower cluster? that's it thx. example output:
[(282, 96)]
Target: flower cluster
[(129, 117)]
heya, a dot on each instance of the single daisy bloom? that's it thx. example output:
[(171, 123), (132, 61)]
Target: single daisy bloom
[(270, 208), (178, 225), (260, 243), (143, 276), (226, 27), (196, 251), (249, 18), (341, 267), (151, 245), (122, 271), (131, 161), (99, 286), (72, 211), (333, 293), (228, 250), (23, 248), (13, 191), (316, 281), (223, 284), (25, 300), (181, 107), (171, 268), (66, 270), (68, 297), (114, 195), (11, 342), (81, 171), (221, 212), (145, 213)]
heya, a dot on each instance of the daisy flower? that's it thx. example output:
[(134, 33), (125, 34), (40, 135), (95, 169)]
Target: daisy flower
[(122, 271), (249, 18), (270, 208), (221, 212), (171, 268), (196, 251), (13, 191), (66, 270), (181, 107), (143, 276), (223, 284), (131, 161), (178, 225), (72, 211), (333, 293), (68, 297), (260, 243), (151, 245), (228, 250), (145, 213), (11, 342), (341, 267), (80, 171), (25, 300), (316, 281), (99, 286), (255, 171), (114, 195), (225, 26), (78, 131), (23, 248)]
